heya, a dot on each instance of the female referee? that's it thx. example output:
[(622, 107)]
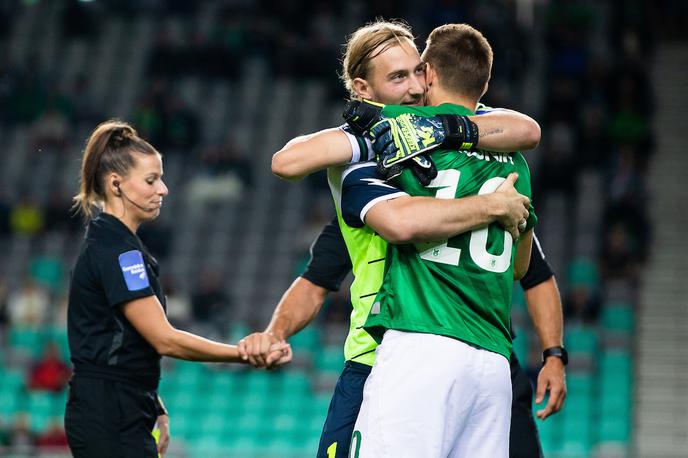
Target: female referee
[(117, 325)]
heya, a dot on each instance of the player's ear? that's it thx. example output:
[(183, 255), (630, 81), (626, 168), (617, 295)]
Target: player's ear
[(430, 75), (362, 88)]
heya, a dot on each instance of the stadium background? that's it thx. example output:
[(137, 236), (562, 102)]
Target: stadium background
[(219, 86)]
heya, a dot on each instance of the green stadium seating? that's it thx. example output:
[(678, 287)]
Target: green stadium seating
[(330, 359), (580, 340), (614, 428), (27, 340), (307, 339), (9, 403), (617, 317), (583, 272), (293, 381)]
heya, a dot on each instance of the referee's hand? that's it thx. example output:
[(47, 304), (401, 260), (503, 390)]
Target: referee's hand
[(163, 423), (264, 350), (552, 378)]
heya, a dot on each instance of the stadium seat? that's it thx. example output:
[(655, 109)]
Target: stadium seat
[(583, 272), (618, 317), (294, 381), (581, 340), (27, 340), (330, 359), (307, 339), (614, 428)]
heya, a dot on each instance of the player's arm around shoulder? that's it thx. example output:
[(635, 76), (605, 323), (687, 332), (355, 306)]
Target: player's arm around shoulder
[(503, 130), (306, 154)]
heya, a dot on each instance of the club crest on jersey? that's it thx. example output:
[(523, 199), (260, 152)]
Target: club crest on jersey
[(134, 270)]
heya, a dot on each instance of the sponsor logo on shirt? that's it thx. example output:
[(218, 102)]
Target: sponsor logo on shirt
[(134, 270)]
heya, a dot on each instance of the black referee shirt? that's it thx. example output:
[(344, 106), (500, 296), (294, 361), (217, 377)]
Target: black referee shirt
[(113, 268)]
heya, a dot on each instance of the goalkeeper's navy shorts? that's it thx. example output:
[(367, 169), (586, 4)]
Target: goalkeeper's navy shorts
[(110, 419), (524, 441), (344, 407)]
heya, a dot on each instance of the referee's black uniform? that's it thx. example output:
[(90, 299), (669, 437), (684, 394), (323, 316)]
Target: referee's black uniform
[(328, 266), (113, 402)]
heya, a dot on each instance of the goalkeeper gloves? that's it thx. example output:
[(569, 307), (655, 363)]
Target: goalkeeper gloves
[(398, 139), (407, 137), (361, 115)]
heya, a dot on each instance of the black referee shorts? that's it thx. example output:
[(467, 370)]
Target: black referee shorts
[(524, 440), (110, 419)]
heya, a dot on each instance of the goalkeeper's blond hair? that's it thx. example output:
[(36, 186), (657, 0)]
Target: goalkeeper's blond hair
[(361, 48)]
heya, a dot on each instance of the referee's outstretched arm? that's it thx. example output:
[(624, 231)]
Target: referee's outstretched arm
[(147, 316)]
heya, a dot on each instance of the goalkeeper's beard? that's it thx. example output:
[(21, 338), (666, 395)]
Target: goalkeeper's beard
[(416, 100)]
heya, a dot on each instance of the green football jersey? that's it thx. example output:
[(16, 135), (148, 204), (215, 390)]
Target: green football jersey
[(460, 287)]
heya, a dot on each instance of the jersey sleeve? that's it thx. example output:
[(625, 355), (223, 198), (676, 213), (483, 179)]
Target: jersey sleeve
[(539, 269), (361, 147), (123, 274), (330, 262), (362, 188), (523, 186)]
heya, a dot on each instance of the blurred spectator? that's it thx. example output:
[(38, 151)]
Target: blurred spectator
[(27, 96), (581, 305), (86, 110), (26, 217), (5, 211), (582, 302), (620, 255), (210, 305), (157, 237), (180, 126), (4, 297), (5, 435), (53, 439), (624, 178), (558, 166), (78, 20), (147, 120), (178, 304), (21, 436), (58, 214), (50, 373), (28, 306), (227, 158)]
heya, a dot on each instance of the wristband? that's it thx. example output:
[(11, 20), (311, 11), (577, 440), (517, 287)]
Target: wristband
[(559, 352), (461, 134)]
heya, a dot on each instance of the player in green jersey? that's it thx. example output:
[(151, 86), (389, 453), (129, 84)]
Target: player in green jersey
[(391, 74), (440, 385)]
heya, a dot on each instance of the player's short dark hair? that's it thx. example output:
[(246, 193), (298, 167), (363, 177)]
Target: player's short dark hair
[(462, 58)]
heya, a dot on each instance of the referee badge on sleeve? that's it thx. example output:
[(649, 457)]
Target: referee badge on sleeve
[(134, 270)]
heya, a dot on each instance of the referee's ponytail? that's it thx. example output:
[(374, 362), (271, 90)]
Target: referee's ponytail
[(108, 149)]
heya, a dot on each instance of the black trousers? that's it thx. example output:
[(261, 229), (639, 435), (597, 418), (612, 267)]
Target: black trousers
[(110, 419), (524, 441)]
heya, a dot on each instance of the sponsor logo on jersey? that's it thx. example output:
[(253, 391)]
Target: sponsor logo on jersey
[(134, 270)]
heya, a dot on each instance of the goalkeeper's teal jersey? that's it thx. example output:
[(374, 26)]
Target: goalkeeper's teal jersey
[(459, 287)]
